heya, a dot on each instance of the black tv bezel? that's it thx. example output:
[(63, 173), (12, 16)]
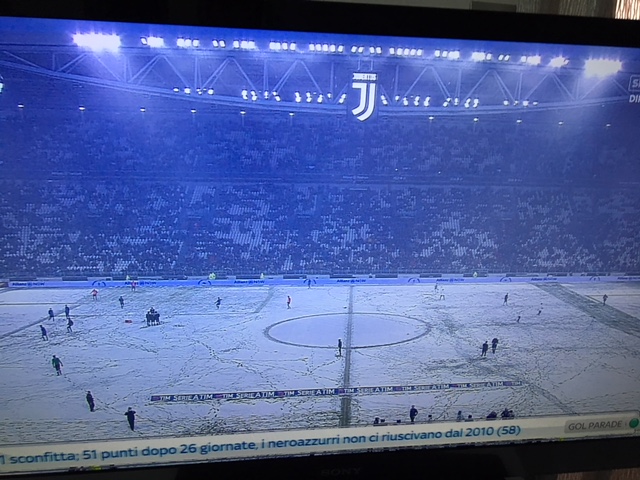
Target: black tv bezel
[(527, 459)]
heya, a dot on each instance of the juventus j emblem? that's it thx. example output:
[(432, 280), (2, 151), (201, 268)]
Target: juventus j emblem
[(366, 83)]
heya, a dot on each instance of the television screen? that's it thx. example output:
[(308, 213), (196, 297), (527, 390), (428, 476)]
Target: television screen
[(223, 243)]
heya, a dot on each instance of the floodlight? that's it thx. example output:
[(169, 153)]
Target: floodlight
[(405, 102), (320, 98), (445, 104), (445, 53), (236, 44), (155, 42), (505, 103), (489, 56), (318, 47), (454, 55), (242, 112), (560, 123), (372, 50), (518, 121), (81, 108), (397, 98), (431, 117), (176, 89), (97, 41), (608, 125), (500, 57), (329, 95), (354, 49), (199, 90), (222, 44), (308, 94), (291, 114), (384, 100), (392, 51), (266, 95), (427, 101), (478, 56), (20, 105), (342, 98), (456, 101), (277, 97), (535, 104), (534, 60), (416, 101), (476, 119), (525, 103), (245, 44), (379, 50), (412, 52), (507, 58), (325, 48), (292, 47), (406, 51), (419, 52), (437, 53), (143, 40), (285, 46), (142, 109), (187, 42), (196, 43), (332, 48), (187, 90), (601, 68), (210, 91), (215, 43), (298, 99), (340, 48), (399, 52), (245, 95), (558, 62), (360, 49), (515, 102), (274, 45), (312, 47)]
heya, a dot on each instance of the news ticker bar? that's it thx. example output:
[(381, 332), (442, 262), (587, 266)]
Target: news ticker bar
[(158, 451)]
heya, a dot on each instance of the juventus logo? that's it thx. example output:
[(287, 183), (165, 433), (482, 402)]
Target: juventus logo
[(366, 83)]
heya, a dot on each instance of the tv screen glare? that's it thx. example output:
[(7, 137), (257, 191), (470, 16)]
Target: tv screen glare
[(224, 243)]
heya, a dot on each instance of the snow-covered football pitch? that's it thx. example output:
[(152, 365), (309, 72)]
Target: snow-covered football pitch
[(576, 356)]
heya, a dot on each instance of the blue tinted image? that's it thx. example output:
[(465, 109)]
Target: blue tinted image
[(234, 231)]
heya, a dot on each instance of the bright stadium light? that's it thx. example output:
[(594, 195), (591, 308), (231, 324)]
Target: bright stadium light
[(222, 44), (298, 99), (199, 91), (325, 47), (274, 45), (97, 41), (360, 49), (535, 104), (445, 104), (332, 48), (518, 121), (309, 99), (500, 57), (312, 47), (454, 55), (247, 44), (427, 101), (266, 95), (560, 123), (187, 42), (431, 118), (277, 97), (242, 112), (176, 89), (476, 119), (558, 62), (354, 49), (210, 91), (372, 50), (419, 52), (21, 105), (236, 44), (187, 90), (392, 51), (155, 42), (456, 101), (489, 56), (412, 52), (534, 60), (405, 102), (601, 67), (416, 101), (343, 97), (445, 53), (320, 98), (507, 58), (142, 109), (292, 47), (81, 108), (525, 103), (478, 56), (215, 43), (318, 47), (384, 100), (285, 46), (437, 53), (291, 114), (196, 43), (406, 52), (506, 103), (245, 95), (379, 50), (523, 59), (143, 40), (397, 98), (399, 52), (476, 102)]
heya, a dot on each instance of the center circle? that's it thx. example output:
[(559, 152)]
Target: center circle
[(368, 330)]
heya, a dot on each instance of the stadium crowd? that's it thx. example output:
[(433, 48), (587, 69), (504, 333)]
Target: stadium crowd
[(94, 194)]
